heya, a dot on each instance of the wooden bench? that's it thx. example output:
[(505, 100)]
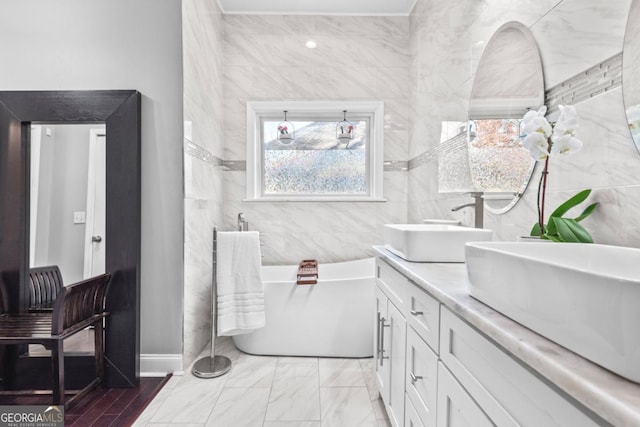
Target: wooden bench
[(76, 307), (44, 285)]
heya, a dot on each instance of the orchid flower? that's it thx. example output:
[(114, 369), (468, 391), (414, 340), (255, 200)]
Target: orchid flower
[(543, 139)]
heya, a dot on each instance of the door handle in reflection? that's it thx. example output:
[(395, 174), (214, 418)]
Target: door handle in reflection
[(416, 313), (96, 239)]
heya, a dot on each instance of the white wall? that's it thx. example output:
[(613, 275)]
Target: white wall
[(62, 191), (573, 35), (119, 44)]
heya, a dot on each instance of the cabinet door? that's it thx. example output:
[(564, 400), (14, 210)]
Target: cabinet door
[(455, 407), (421, 378), (381, 345), (411, 418), (397, 350)]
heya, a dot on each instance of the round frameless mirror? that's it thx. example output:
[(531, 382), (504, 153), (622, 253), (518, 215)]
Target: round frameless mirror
[(630, 71), (508, 82)]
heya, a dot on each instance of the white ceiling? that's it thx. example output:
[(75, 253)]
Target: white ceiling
[(318, 7)]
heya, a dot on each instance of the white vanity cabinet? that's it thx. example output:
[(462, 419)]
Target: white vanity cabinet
[(389, 341), (435, 369), (507, 392)]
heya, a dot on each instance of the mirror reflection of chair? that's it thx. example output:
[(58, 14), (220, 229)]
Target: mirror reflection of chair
[(44, 285)]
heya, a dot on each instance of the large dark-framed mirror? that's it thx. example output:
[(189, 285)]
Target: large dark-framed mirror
[(120, 111)]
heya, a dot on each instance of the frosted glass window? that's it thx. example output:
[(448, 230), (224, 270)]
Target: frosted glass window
[(315, 163), (312, 163), (498, 161)]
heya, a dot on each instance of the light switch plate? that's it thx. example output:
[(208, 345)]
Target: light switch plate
[(79, 217)]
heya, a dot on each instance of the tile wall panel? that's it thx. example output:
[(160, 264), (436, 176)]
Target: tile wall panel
[(355, 58), (203, 107), (572, 37)]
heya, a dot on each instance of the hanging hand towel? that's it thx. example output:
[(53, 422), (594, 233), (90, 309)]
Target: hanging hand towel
[(240, 288)]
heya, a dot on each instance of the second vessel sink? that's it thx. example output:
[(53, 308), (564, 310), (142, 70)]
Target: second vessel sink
[(584, 297), (431, 242)]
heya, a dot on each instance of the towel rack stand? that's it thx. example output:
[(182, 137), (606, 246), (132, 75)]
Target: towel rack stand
[(213, 366)]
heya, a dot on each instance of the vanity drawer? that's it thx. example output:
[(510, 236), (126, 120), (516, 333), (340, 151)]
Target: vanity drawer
[(411, 418), (421, 379), (455, 406), (423, 315), (509, 393), (392, 283)]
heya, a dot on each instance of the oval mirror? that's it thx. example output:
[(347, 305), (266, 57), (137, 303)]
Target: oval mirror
[(630, 71), (508, 82)]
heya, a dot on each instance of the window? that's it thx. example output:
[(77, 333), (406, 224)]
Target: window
[(315, 165)]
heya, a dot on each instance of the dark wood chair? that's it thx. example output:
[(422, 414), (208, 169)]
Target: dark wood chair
[(44, 285), (76, 307)]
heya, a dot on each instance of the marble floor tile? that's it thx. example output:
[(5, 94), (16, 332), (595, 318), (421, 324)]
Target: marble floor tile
[(240, 407), (295, 392), (372, 387), (252, 371), (346, 407), (340, 373), (190, 401), (292, 424), (153, 406), (378, 409), (266, 391)]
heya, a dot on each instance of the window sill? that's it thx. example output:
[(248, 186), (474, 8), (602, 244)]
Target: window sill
[(316, 199)]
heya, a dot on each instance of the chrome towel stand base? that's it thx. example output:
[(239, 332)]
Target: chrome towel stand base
[(213, 366)]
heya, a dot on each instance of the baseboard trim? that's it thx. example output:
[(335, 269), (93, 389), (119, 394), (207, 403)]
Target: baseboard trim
[(159, 365)]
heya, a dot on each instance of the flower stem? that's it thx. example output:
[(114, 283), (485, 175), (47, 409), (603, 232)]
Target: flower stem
[(541, 195)]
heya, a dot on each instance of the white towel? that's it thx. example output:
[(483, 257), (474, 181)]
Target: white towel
[(240, 287)]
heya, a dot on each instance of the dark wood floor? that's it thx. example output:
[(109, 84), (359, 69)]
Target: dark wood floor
[(117, 407)]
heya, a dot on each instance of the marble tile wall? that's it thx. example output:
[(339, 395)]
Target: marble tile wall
[(203, 146), (356, 58), (447, 41)]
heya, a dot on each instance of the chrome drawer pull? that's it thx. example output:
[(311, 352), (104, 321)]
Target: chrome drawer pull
[(414, 378), (416, 313)]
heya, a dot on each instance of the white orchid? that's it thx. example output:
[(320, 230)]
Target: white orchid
[(543, 138), (565, 144), (536, 143), (534, 121)]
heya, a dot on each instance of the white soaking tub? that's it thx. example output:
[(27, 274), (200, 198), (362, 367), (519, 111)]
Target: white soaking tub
[(333, 318)]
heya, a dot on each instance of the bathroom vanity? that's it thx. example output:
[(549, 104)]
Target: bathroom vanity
[(443, 358)]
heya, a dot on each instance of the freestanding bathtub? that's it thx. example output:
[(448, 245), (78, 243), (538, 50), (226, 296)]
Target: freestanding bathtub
[(333, 318)]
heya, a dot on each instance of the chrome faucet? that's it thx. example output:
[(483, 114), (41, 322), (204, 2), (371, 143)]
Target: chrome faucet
[(478, 205), (243, 224)]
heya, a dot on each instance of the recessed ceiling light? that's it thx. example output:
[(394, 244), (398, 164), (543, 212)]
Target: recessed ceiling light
[(310, 44)]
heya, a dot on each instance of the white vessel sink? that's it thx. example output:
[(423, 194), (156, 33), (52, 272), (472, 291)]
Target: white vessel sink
[(584, 297), (431, 242)]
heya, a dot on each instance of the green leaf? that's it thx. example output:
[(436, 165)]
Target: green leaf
[(551, 230), (588, 211), (572, 202), (570, 231), (535, 231)]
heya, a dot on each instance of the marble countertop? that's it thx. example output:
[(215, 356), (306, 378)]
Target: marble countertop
[(611, 397)]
